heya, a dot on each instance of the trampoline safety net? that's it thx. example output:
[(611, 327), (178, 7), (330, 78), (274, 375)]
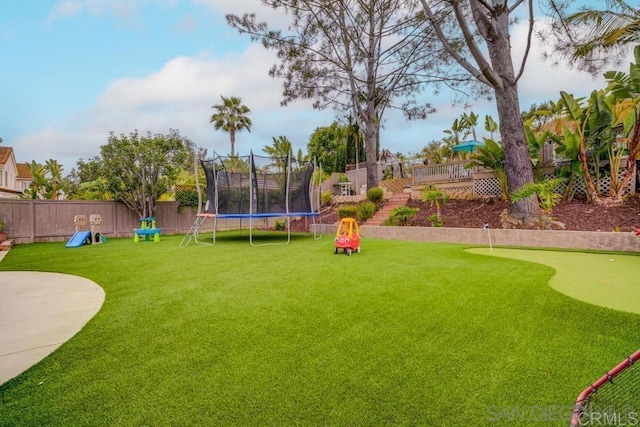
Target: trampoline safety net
[(255, 185)]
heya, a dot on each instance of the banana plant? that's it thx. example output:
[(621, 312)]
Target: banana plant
[(626, 88), (536, 143), (470, 122), (457, 133), (490, 125), (593, 122), (570, 148), (491, 156)]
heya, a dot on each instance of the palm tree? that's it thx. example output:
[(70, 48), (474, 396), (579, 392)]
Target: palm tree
[(279, 151), (433, 152), (231, 116)]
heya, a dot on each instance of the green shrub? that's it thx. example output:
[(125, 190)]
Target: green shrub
[(366, 210), (548, 195), (186, 197), (280, 225), (349, 211), (402, 215), (436, 220), (375, 195), (326, 198)]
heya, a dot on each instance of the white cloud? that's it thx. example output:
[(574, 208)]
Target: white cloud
[(180, 96)]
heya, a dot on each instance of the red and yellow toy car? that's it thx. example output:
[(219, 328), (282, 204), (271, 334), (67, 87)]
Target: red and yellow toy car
[(347, 236)]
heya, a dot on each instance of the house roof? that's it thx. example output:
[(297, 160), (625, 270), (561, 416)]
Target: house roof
[(23, 171), (5, 154)]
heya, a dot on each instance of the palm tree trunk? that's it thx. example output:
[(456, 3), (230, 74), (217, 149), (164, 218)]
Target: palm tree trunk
[(232, 137)]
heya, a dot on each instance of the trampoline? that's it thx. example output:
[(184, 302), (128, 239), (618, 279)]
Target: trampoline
[(257, 188)]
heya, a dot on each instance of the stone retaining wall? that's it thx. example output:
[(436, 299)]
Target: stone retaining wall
[(593, 240)]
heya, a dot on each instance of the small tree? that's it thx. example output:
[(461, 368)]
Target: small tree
[(327, 145), (432, 194), (87, 182), (139, 169)]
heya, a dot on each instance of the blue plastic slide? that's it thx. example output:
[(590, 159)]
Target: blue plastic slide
[(79, 238)]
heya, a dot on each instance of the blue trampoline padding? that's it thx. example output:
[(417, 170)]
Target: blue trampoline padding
[(266, 215)]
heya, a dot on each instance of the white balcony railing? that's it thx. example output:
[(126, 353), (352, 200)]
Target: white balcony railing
[(442, 172)]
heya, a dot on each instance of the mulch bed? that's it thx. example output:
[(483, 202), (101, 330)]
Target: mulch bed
[(576, 215)]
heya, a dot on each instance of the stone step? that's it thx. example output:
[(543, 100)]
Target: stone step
[(6, 245), (396, 200)]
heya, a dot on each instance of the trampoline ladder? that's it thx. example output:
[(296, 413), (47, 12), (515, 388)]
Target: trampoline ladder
[(192, 234)]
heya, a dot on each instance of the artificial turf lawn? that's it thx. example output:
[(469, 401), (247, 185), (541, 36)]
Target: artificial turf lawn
[(608, 280), (402, 333)]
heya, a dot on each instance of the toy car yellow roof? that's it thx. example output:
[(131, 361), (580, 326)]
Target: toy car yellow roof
[(348, 226)]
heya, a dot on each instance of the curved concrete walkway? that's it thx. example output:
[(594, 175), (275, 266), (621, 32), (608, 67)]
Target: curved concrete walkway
[(38, 313)]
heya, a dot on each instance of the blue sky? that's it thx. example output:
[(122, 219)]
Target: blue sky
[(74, 70)]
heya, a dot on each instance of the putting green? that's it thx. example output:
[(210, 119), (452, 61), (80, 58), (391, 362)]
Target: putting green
[(607, 280)]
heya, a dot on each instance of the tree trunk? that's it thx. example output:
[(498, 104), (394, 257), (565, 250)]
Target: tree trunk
[(371, 134), (633, 148), (592, 191), (370, 154), (232, 137), (516, 156)]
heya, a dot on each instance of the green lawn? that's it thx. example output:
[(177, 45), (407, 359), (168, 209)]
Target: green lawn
[(402, 333)]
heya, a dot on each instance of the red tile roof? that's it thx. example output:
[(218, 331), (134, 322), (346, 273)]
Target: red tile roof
[(23, 171), (5, 154)]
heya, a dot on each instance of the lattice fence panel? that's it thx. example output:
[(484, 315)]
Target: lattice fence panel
[(461, 191), (490, 187), (486, 187)]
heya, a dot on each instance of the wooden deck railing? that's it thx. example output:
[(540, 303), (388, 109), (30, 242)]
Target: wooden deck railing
[(442, 172)]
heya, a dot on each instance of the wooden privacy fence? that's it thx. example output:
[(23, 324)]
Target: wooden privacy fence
[(28, 221)]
